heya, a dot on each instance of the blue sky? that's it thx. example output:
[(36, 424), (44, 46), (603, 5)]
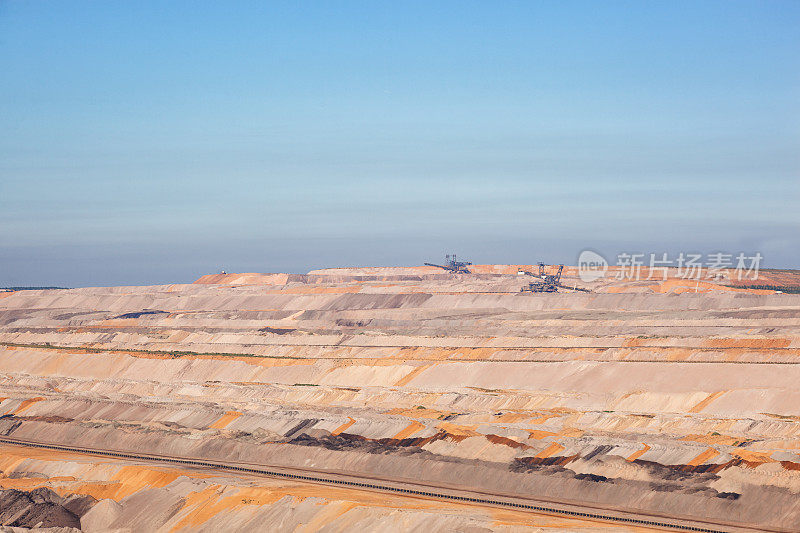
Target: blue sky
[(152, 142)]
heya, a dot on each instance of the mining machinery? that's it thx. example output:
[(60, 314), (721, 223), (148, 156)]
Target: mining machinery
[(453, 265), (547, 282)]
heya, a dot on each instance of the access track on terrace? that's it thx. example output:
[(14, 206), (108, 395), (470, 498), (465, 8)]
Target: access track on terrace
[(417, 489)]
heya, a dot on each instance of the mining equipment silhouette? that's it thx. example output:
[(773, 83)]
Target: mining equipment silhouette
[(453, 265), (546, 282)]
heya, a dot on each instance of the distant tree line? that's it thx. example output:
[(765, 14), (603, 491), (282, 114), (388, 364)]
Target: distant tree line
[(788, 289)]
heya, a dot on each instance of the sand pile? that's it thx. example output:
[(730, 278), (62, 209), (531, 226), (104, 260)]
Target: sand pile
[(682, 404)]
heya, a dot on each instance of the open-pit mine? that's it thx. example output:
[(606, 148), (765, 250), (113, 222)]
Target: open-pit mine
[(402, 399)]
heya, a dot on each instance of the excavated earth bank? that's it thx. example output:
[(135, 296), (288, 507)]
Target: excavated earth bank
[(639, 395)]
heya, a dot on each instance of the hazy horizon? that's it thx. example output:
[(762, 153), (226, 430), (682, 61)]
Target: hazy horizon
[(150, 143)]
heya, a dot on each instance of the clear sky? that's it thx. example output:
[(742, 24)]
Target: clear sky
[(152, 142)]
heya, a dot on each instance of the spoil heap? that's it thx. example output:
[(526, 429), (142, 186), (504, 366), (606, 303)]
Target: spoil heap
[(674, 404)]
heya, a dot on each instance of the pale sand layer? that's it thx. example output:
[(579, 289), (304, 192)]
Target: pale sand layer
[(677, 403)]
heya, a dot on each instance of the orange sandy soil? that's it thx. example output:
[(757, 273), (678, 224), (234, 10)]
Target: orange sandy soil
[(679, 286), (734, 349), (545, 389), (225, 493), (654, 281)]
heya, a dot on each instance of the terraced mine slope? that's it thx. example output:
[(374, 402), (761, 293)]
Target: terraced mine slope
[(639, 399)]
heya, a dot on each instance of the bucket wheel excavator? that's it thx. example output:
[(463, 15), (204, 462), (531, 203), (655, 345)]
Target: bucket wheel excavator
[(546, 282), (453, 265)]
